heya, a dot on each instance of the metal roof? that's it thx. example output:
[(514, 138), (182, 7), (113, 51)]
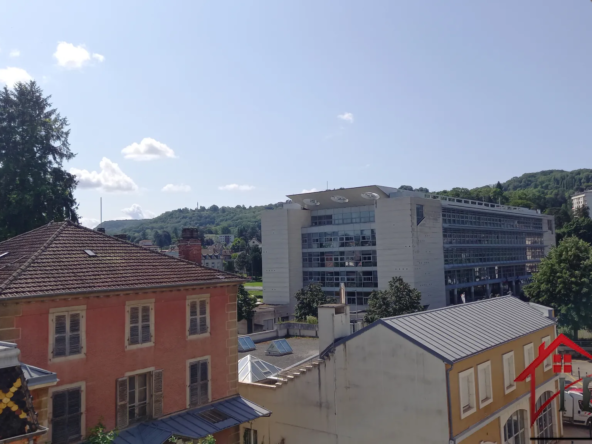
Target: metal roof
[(37, 376), (457, 332), (189, 424)]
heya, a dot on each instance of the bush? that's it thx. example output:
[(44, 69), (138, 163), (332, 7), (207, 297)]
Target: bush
[(311, 320)]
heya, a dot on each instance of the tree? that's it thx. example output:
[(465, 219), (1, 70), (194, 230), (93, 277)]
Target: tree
[(580, 227), (238, 245), (225, 229), (583, 212), (229, 266), (245, 307), (308, 300), (256, 261), (34, 187), (241, 262), (564, 282), (398, 299)]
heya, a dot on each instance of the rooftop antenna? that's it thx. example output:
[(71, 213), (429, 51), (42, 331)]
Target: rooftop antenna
[(101, 209), (327, 184)]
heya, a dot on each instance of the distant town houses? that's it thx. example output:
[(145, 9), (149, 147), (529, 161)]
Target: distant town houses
[(225, 239), (212, 261)]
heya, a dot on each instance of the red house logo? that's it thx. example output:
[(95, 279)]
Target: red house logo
[(561, 363)]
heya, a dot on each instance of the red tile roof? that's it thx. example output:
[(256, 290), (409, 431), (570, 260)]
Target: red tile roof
[(51, 260)]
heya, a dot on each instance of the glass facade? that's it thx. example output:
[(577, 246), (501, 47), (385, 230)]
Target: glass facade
[(468, 255), (334, 278), (459, 236), (355, 258), (338, 239), (342, 216), (477, 274), (454, 216)]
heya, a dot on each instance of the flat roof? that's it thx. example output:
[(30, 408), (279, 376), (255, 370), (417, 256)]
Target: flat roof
[(303, 348)]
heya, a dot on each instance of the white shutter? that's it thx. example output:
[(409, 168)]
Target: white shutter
[(122, 399), (157, 401)]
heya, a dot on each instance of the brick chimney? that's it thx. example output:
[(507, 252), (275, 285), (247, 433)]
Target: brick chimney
[(189, 245)]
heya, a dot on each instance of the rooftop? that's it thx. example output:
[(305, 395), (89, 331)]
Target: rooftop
[(457, 332), (303, 348), (61, 258)]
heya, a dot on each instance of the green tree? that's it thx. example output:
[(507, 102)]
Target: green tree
[(245, 307), (564, 282), (255, 261), (398, 299), (308, 300), (241, 262), (99, 435), (238, 244), (225, 229), (34, 187), (580, 227), (229, 266)]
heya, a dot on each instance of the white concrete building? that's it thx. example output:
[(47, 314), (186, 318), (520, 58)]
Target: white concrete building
[(365, 236), (581, 200)]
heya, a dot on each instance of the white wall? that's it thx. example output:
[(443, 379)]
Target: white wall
[(378, 387)]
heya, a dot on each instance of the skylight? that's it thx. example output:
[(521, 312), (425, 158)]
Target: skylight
[(90, 252), (245, 344), (279, 347), (214, 416), (4, 254)]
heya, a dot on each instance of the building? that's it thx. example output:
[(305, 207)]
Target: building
[(148, 244), (581, 200), (255, 243), (134, 335), (212, 261), (225, 239), (439, 376), (364, 236)]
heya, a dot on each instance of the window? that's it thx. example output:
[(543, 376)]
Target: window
[(139, 397), (67, 333), (485, 388), (548, 364), (419, 213), (528, 356), (515, 428), (198, 315), (466, 381), (509, 372), (66, 413), (140, 324), (199, 382), (545, 419), (267, 324), (250, 436)]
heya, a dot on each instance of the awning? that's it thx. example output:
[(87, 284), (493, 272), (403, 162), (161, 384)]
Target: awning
[(195, 423)]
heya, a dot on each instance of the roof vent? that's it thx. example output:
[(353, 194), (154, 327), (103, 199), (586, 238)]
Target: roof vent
[(245, 344), (90, 252), (279, 347), (4, 254), (339, 199), (370, 195), (311, 201), (214, 416)]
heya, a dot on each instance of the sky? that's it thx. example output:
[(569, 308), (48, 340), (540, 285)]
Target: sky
[(179, 103)]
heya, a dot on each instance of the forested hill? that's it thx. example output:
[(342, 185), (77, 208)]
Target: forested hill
[(548, 191)]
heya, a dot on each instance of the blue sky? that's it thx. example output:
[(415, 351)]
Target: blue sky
[(174, 103)]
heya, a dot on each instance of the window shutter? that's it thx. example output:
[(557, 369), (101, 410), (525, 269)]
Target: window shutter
[(146, 335), (193, 328), (60, 338), (122, 408), (74, 410), (134, 314), (157, 393), (203, 383), (193, 384), (203, 321), (75, 345)]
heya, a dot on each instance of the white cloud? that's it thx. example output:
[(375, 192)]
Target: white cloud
[(312, 190), (72, 57), (89, 222), (11, 76), (236, 187), (147, 149), (176, 188), (348, 117), (109, 179), (134, 212), (14, 53)]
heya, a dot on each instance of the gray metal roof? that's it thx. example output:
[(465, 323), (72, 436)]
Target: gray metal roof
[(189, 424), (37, 376), (457, 332)]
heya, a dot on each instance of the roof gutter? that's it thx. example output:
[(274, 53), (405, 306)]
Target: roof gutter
[(125, 289)]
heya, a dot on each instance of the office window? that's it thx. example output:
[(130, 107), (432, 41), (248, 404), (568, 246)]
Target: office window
[(199, 382), (198, 315), (140, 324), (509, 372), (528, 356), (485, 387), (548, 363), (67, 333), (67, 407), (250, 436), (466, 381), (419, 213), (139, 397)]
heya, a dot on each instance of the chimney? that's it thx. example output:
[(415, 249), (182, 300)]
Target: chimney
[(101, 230), (189, 245), (334, 324), (121, 236)]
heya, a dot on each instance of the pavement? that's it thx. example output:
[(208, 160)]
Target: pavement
[(575, 431)]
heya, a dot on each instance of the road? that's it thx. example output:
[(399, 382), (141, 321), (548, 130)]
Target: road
[(575, 431)]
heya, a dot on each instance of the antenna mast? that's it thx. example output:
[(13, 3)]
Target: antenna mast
[(101, 205)]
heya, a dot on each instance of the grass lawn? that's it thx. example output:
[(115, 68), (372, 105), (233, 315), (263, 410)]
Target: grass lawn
[(254, 284), (258, 293)]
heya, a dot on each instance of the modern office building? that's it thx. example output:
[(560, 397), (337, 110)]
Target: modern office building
[(364, 236)]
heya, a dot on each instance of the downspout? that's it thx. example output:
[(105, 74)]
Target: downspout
[(450, 440)]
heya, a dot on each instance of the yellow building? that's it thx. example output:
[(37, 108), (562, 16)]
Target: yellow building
[(444, 375)]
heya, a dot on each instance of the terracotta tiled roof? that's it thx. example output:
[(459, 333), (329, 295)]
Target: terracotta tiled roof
[(52, 260)]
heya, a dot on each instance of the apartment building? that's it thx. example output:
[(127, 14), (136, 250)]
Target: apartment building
[(133, 335), (444, 247), (443, 375), (580, 200)]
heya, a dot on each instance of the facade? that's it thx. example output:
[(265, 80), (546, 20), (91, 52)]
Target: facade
[(444, 375), (581, 200), (134, 335), (225, 239), (255, 243), (365, 236), (212, 261)]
